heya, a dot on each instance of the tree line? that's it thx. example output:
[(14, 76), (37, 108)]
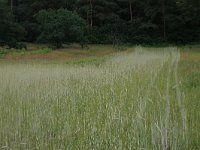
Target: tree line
[(99, 21)]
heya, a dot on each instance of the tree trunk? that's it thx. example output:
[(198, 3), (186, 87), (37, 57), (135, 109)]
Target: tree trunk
[(131, 10), (88, 16), (164, 18), (11, 5), (91, 15)]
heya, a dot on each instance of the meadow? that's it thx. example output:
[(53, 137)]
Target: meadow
[(138, 99)]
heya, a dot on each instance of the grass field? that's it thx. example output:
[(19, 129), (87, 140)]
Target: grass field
[(140, 99)]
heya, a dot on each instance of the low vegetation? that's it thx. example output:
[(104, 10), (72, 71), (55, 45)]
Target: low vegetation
[(68, 52), (141, 99)]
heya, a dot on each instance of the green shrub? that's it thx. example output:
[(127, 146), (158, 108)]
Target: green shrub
[(42, 51), (59, 26), (3, 52)]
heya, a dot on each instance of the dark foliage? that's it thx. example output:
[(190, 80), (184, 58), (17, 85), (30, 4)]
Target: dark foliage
[(10, 31), (107, 21)]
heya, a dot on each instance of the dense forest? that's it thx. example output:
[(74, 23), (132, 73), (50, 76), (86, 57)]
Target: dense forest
[(99, 21)]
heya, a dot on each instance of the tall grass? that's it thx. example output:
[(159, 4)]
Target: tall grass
[(130, 101)]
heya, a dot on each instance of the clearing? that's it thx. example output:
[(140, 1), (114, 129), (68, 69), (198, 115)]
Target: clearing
[(142, 98)]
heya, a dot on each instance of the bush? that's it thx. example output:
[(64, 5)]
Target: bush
[(42, 51), (3, 52), (59, 26)]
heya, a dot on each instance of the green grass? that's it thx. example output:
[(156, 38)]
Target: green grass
[(189, 72), (142, 99)]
